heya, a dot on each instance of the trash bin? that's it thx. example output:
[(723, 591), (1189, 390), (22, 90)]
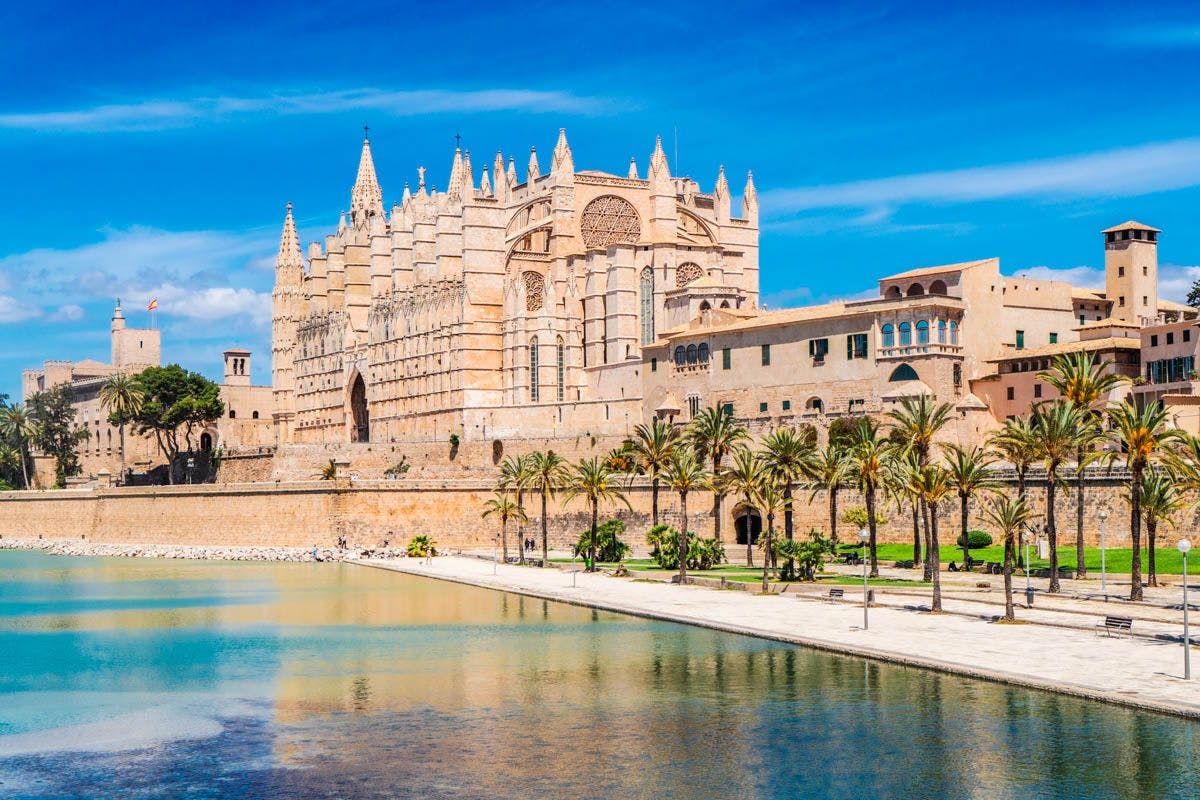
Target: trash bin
[(1029, 597)]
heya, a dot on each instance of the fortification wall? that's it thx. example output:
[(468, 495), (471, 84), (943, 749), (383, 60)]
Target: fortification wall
[(304, 513)]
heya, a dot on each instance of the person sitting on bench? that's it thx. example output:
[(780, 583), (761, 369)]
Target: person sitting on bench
[(953, 567)]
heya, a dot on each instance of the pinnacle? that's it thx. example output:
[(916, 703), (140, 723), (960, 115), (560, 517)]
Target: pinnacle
[(289, 243)]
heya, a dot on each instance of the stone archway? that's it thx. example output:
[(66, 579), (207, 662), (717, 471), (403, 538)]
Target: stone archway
[(747, 524), (360, 425), (206, 442)]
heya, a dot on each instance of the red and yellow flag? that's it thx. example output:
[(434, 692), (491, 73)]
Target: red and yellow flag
[(153, 305)]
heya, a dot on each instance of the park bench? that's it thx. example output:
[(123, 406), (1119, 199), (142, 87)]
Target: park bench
[(836, 594), (1115, 625)]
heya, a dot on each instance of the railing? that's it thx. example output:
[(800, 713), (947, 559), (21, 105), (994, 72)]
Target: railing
[(906, 350), (699, 366)]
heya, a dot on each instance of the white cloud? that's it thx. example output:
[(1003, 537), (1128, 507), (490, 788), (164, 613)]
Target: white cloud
[(211, 304), (1174, 280), (66, 313), (879, 220), (1129, 171), (157, 114), (13, 310)]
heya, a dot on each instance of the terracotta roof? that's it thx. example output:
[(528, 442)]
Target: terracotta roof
[(1171, 305), (1111, 343), (1130, 225), (1108, 322), (1087, 294), (668, 405), (764, 319), (901, 389), (916, 273), (971, 402)]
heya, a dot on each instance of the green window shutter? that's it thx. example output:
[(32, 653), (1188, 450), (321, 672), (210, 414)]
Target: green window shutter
[(849, 348), (726, 358), (654, 365)]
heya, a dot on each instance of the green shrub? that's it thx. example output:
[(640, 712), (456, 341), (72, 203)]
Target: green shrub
[(975, 540), (857, 516), (702, 553), (421, 546), (809, 556), (609, 547)]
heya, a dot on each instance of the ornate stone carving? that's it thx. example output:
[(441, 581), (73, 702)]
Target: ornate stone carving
[(535, 290), (609, 220), (687, 273)]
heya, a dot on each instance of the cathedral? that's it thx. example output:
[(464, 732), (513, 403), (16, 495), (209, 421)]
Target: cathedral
[(508, 305)]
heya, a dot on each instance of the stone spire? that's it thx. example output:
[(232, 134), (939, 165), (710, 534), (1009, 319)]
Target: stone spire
[(750, 200), (633, 173), (562, 161), (289, 244), (455, 184), (342, 223), (366, 198), (511, 175), (406, 198), (533, 172), (468, 177), (485, 183), (659, 169), (721, 196), (501, 183)]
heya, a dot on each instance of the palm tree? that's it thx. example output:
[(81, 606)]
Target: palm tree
[(122, 398), (827, 471), (713, 434), (786, 455), (501, 505), (19, 425), (593, 480), (686, 474), (868, 456), (745, 474), (1084, 381), (651, 447), (934, 483), (547, 472), (1056, 428), (514, 477), (915, 424), (903, 484), (770, 499), (1016, 444), (1009, 514), (1143, 435), (1161, 498), (9, 458), (969, 469)]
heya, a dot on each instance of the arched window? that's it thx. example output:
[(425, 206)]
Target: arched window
[(558, 354), (647, 306), (232, 414), (691, 354), (941, 331), (702, 352), (893, 292), (957, 375), (533, 370), (705, 305), (937, 287), (680, 355), (889, 335), (953, 333), (922, 331), (905, 334), (904, 373), (254, 415), (916, 290)]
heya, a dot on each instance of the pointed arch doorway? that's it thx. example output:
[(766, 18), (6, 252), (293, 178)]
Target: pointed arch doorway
[(360, 418)]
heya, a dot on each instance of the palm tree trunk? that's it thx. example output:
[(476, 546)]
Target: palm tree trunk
[(545, 534), (1080, 562), (521, 528), (24, 466), (750, 541), (931, 564), (504, 538), (683, 539), (966, 545), (871, 526), (916, 534), (1135, 532), (934, 555), (1052, 530), (717, 515), (789, 569), (592, 539), (654, 502), (1021, 496), (1151, 534), (833, 515), (121, 429), (1008, 572), (766, 585)]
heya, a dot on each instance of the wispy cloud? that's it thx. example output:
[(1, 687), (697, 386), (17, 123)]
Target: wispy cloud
[(163, 114), (1128, 171), (1174, 280), (877, 221), (13, 310)]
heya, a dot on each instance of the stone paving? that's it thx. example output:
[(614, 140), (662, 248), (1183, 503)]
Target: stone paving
[(1131, 671)]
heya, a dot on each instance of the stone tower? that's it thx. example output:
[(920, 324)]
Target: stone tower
[(287, 306), (134, 348), (1131, 272)]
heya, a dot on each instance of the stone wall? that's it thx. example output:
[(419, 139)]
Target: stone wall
[(304, 513)]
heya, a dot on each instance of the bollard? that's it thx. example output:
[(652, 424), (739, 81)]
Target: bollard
[(1029, 598)]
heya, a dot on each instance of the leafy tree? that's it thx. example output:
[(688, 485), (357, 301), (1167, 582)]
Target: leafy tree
[(501, 505), (1009, 514), (969, 469), (703, 554), (686, 474), (743, 477), (514, 477), (547, 474), (421, 546), (1160, 499), (18, 427), (1016, 444), (595, 482), (651, 447), (55, 432), (609, 547), (176, 404), (1085, 382), (912, 428), (10, 461), (713, 434), (1056, 427), (934, 483), (786, 455), (1193, 298), (769, 497), (827, 471), (122, 398), (869, 456)]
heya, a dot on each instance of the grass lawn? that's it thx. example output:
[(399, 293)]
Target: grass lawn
[(1117, 559), (743, 574)]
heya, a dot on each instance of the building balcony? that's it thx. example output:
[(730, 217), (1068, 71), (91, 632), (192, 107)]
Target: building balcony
[(698, 367), (911, 350)]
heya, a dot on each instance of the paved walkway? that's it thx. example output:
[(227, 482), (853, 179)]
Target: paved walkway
[(1129, 671)]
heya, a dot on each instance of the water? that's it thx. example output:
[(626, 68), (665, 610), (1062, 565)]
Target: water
[(141, 678)]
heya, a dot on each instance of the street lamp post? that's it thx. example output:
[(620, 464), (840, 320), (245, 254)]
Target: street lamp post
[(863, 535), (1184, 545), (1103, 515)]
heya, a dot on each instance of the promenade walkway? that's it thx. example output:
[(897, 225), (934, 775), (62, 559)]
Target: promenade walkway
[(1140, 672)]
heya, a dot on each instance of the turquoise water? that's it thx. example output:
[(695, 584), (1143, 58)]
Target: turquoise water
[(144, 678)]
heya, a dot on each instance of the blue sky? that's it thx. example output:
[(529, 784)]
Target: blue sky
[(149, 148)]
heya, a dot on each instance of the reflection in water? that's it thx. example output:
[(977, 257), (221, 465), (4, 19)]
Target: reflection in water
[(186, 679)]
